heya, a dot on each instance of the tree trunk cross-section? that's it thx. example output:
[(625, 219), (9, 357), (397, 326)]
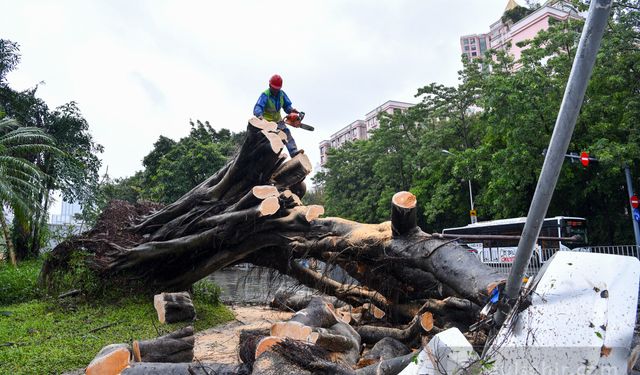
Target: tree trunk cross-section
[(251, 211)]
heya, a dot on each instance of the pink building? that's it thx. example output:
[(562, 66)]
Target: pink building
[(360, 129), (502, 34)]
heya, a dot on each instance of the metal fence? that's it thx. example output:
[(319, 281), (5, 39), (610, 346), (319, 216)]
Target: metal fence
[(535, 264)]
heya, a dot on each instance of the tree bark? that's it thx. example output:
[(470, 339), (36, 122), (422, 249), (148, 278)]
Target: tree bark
[(386, 348), (172, 348), (185, 369), (7, 238), (174, 307)]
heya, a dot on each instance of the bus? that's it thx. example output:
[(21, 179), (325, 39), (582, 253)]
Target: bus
[(557, 233)]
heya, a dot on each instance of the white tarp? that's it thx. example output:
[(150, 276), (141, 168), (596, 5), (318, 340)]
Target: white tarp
[(581, 320)]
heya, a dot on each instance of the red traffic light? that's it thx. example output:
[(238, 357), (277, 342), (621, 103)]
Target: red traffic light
[(584, 158)]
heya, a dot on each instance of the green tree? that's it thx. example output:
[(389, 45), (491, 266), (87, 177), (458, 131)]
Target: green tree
[(496, 124), (173, 168), (20, 180), (351, 188), (72, 172)]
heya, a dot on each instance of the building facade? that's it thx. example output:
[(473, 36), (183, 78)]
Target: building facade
[(505, 34), (474, 46), (359, 129)]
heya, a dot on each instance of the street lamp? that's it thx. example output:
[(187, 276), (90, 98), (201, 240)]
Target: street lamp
[(472, 213)]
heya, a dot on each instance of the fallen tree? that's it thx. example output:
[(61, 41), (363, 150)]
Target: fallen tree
[(248, 212)]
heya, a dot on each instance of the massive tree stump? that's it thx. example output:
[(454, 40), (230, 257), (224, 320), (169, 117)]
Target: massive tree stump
[(248, 212)]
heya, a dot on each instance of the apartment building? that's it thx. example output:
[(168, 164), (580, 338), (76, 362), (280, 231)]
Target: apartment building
[(359, 129), (505, 33), (474, 46)]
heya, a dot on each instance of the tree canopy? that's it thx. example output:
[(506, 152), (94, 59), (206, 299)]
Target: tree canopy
[(172, 168), (494, 126)]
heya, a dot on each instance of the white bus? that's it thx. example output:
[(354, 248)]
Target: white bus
[(557, 233)]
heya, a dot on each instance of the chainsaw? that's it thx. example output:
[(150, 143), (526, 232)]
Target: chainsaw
[(295, 119)]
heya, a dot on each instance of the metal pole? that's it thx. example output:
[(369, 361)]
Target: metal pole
[(565, 123), (470, 194), (636, 227)]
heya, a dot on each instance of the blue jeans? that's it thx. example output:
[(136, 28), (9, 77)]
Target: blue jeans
[(291, 143)]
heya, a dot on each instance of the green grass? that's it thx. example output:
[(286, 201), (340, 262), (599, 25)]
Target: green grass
[(46, 336), (19, 284)]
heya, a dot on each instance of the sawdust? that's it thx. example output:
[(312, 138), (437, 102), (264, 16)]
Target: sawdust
[(219, 344)]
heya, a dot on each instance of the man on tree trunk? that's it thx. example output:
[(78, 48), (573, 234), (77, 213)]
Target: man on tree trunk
[(268, 107)]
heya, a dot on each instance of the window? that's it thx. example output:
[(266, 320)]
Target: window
[(466, 41), (473, 48), (466, 48), (474, 54), (483, 45)]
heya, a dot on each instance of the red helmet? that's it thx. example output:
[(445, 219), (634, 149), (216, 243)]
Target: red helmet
[(275, 82)]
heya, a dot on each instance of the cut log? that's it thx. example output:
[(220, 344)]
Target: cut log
[(111, 359), (174, 307), (386, 348), (391, 366), (200, 368), (248, 342), (292, 172), (256, 195), (290, 199), (373, 311), (263, 124), (299, 189), (318, 313), (311, 212), (266, 344), (403, 214), (291, 329), (345, 350), (409, 334), (172, 348)]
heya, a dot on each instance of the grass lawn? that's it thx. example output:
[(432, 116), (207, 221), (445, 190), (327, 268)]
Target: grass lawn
[(40, 335)]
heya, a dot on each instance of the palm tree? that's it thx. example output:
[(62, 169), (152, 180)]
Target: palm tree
[(20, 179)]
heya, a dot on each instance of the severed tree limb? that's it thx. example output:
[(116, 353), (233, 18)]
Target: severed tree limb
[(346, 292), (420, 323), (292, 172), (386, 348), (391, 366), (172, 348), (403, 214)]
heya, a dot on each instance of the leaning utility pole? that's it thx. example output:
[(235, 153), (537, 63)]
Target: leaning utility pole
[(565, 123)]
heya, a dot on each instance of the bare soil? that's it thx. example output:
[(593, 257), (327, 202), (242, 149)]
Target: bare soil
[(219, 344)]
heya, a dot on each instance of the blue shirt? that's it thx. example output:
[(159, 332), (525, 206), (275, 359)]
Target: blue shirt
[(258, 110)]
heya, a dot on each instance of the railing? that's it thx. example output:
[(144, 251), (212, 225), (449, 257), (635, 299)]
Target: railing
[(535, 264)]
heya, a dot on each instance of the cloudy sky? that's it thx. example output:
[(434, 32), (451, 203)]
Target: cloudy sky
[(141, 69)]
